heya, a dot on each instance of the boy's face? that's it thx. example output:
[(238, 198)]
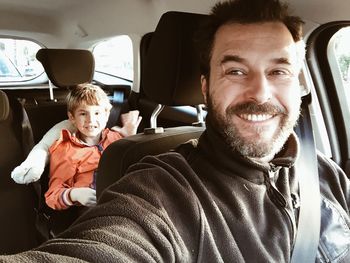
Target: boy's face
[(90, 120)]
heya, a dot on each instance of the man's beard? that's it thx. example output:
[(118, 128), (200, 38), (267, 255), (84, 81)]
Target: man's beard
[(252, 148)]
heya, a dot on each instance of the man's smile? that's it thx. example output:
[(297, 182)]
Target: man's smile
[(255, 117)]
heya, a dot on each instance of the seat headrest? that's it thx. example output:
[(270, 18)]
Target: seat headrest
[(67, 67), (171, 72), (4, 106)]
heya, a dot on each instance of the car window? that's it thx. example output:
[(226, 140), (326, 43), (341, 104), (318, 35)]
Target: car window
[(339, 57), (18, 62), (339, 50), (114, 60), (328, 59)]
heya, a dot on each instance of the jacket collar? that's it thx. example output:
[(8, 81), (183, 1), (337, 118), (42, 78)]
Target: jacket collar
[(66, 135), (215, 149)]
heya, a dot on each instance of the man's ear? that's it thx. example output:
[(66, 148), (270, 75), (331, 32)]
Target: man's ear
[(204, 87), (304, 90)]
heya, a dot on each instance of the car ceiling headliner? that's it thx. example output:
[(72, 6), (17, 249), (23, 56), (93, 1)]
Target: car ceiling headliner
[(62, 20)]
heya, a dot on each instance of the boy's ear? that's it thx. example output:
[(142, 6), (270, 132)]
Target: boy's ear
[(70, 116)]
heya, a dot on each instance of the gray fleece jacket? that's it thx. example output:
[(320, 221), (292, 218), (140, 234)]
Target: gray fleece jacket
[(204, 203)]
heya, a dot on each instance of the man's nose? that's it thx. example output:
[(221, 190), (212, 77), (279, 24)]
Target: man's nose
[(259, 89)]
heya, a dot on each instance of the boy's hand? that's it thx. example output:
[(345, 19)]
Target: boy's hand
[(130, 121), (84, 195)]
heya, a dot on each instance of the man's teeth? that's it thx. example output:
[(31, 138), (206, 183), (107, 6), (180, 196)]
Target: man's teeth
[(255, 117)]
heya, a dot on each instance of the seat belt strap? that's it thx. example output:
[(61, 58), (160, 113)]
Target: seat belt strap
[(117, 102), (27, 144), (309, 221), (27, 133)]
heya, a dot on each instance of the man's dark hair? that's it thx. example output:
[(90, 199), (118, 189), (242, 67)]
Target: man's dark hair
[(242, 12)]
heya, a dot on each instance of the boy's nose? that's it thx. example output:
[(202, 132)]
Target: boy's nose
[(91, 118)]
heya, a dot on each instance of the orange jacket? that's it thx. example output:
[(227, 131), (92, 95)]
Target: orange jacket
[(73, 164)]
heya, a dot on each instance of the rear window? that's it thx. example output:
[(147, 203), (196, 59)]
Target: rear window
[(114, 60), (18, 64)]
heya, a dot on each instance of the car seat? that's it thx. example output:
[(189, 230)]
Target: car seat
[(170, 76), (17, 220), (65, 68)]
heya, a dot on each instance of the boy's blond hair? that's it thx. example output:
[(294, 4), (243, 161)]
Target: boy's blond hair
[(87, 94)]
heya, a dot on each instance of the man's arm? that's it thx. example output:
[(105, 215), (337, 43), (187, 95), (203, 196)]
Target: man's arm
[(150, 215)]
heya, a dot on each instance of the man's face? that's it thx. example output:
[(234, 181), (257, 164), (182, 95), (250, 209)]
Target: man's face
[(253, 94)]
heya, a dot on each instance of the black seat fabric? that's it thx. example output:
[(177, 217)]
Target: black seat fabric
[(170, 76), (171, 69), (123, 153), (17, 220)]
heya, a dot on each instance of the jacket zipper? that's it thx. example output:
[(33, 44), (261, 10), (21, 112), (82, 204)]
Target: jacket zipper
[(279, 200)]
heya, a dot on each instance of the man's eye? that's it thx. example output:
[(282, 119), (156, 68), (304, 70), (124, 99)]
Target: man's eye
[(235, 72), (280, 72)]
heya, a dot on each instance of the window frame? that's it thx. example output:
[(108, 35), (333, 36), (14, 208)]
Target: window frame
[(330, 98)]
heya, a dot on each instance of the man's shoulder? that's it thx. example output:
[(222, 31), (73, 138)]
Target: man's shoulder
[(177, 155), (170, 164), (327, 165), (170, 158), (334, 183), (181, 154)]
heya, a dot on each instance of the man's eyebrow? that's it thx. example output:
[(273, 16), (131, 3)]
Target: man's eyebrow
[(231, 58), (282, 60), (236, 58)]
